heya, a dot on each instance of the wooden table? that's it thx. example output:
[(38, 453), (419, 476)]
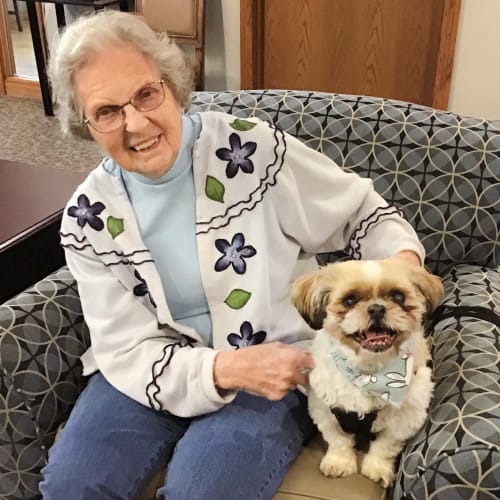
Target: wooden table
[(36, 37), (32, 199)]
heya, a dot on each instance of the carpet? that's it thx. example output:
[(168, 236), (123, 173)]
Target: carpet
[(28, 135)]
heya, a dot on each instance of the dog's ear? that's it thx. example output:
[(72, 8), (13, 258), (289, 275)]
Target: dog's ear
[(310, 299), (430, 286)]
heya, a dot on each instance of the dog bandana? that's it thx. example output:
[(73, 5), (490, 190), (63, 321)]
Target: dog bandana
[(390, 383)]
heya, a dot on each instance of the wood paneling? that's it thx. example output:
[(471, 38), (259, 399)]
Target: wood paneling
[(401, 49), (22, 87), (446, 52), (251, 43)]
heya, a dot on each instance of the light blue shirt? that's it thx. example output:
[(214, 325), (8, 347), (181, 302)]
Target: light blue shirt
[(165, 211)]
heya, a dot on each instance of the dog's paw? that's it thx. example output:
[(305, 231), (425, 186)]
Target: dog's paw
[(339, 463), (378, 469)]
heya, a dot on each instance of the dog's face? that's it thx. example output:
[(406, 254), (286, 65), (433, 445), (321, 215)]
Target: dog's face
[(369, 306)]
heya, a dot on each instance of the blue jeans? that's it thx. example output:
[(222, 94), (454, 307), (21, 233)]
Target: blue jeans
[(112, 446)]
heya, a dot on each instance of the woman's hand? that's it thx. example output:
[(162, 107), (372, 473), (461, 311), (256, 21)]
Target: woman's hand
[(409, 256), (270, 370)]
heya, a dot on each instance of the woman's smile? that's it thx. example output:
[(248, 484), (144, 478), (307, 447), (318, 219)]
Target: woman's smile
[(147, 145)]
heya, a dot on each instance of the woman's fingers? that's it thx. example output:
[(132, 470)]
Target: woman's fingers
[(307, 362), (269, 370), (286, 368)]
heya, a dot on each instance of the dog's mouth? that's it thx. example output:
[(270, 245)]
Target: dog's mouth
[(375, 339)]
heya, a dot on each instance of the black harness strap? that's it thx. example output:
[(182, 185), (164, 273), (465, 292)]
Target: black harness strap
[(361, 427), (445, 311)]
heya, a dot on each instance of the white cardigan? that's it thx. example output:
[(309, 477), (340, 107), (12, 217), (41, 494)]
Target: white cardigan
[(290, 203)]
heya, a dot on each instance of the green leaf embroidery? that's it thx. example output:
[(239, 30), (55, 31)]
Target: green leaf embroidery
[(214, 189), (114, 226), (237, 298), (242, 125)]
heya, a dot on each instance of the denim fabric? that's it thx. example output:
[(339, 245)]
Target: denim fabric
[(240, 452), (112, 446)]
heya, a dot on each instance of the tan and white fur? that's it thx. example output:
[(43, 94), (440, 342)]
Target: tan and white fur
[(368, 309)]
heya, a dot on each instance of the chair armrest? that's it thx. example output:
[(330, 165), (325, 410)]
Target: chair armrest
[(456, 451), (42, 336)]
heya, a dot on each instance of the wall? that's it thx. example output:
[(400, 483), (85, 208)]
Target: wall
[(222, 40), (475, 85)]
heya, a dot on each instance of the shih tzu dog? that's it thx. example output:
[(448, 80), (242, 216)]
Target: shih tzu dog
[(371, 386)]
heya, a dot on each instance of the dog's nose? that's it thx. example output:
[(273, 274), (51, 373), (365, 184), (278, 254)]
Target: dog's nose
[(376, 311)]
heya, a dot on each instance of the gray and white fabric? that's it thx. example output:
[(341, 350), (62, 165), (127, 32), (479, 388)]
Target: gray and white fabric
[(443, 171)]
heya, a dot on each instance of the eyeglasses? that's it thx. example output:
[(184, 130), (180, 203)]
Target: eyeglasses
[(109, 118)]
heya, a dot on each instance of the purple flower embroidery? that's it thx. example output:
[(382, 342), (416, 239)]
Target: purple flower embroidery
[(234, 253), (87, 213), (247, 336), (142, 288), (237, 156)]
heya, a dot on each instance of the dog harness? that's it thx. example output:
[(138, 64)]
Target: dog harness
[(359, 425)]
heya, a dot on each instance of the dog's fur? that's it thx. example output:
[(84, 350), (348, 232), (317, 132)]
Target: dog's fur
[(339, 301)]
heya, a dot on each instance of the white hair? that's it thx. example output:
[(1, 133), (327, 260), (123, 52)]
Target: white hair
[(91, 34)]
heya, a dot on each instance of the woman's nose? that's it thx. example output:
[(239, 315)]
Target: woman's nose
[(134, 120)]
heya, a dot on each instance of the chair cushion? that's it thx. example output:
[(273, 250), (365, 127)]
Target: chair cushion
[(456, 454), (21, 454), (305, 480), (471, 285), (42, 335)]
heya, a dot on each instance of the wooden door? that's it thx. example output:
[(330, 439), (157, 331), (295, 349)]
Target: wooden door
[(401, 49)]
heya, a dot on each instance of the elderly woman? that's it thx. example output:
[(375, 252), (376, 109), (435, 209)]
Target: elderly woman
[(184, 242)]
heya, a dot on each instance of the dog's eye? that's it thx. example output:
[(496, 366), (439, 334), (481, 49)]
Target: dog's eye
[(349, 300), (398, 296)]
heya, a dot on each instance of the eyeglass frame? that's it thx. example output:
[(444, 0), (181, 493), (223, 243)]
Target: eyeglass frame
[(87, 121)]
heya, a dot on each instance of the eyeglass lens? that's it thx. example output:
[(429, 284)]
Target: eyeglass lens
[(147, 98)]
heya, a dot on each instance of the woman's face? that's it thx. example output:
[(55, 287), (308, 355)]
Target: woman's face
[(147, 142)]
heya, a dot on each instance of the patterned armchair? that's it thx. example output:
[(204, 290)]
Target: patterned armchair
[(443, 171)]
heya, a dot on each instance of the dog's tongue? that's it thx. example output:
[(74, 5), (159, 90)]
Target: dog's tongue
[(375, 335)]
